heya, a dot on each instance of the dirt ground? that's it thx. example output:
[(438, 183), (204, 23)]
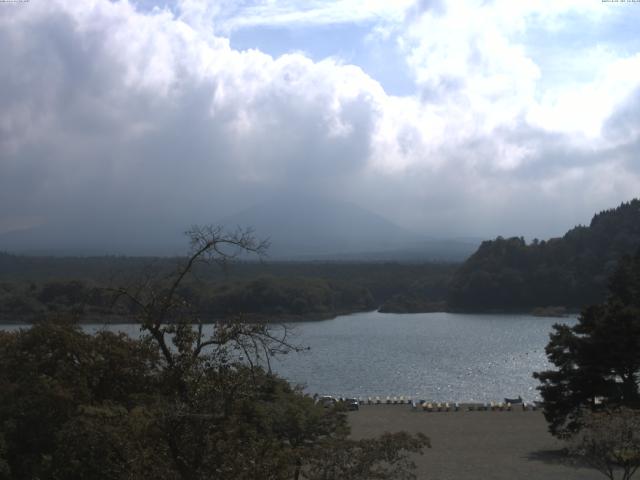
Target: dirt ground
[(476, 445)]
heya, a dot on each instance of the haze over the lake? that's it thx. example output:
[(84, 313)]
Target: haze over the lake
[(123, 123)]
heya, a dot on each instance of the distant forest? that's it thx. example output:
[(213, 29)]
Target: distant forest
[(505, 274), (32, 288)]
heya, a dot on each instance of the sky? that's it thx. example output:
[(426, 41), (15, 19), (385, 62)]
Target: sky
[(449, 118)]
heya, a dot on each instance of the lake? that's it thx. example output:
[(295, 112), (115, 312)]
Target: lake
[(434, 356)]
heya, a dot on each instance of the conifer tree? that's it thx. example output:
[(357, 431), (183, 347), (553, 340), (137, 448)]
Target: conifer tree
[(598, 359)]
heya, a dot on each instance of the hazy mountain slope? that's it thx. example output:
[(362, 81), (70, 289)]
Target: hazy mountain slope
[(307, 225), (572, 271), (299, 227), (304, 227)]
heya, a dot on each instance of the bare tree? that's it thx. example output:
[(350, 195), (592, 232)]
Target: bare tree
[(176, 325), (216, 418)]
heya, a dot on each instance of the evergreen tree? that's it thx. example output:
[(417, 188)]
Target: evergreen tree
[(571, 271), (598, 359)]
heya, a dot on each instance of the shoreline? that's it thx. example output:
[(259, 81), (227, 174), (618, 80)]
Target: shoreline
[(94, 319)]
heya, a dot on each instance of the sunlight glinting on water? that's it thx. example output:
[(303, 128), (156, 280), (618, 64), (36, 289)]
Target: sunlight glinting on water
[(432, 356)]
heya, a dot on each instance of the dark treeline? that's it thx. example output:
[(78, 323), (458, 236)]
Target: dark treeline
[(571, 271), (505, 274), (33, 287)]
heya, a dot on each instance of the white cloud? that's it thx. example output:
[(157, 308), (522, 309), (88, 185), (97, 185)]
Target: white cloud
[(148, 118), (473, 57), (309, 12), (475, 65), (583, 108)]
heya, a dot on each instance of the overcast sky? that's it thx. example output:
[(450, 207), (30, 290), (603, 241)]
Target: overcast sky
[(477, 118)]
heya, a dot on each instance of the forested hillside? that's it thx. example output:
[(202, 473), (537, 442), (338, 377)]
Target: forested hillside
[(572, 271), (33, 288)]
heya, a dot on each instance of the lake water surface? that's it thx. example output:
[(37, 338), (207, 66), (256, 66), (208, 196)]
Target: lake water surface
[(435, 356)]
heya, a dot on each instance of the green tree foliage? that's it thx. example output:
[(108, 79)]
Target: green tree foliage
[(572, 271), (48, 372), (269, 290), (378, 458), (176, 404), (598, 359), (271, 296), (609, 441)]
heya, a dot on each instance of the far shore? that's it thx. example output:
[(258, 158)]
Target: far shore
[(96, 319), (476, 445)]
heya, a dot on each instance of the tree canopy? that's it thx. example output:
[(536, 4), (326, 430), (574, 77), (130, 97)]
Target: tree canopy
[(609, 441), (32, 288), (598, 359), (571, 271), (176, 403)]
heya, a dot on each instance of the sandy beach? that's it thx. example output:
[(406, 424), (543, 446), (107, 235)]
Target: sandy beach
[(475, 445)]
